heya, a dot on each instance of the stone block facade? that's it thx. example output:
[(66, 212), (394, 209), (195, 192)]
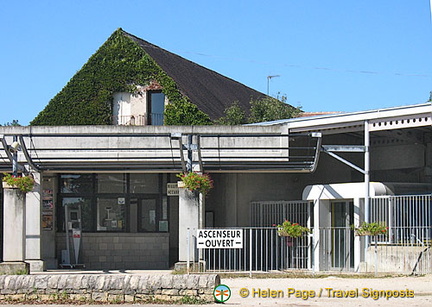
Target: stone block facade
[(117, 251)]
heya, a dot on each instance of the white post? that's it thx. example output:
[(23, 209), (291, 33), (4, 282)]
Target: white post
[(357, 240), (188, 218), (33, 226), (366, 178), (14, 228), (366, 170), (14, 232), (316, 248), (250, 252)]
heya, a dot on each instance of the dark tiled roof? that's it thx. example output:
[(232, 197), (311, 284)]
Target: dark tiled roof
[(205, 88)]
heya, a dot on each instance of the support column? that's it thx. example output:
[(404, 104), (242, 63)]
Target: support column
[(189, 218), (366, 179), (316, 247), (33, 227), (358, 250), (14, 230)]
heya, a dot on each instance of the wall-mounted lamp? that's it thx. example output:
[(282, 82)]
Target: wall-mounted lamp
[(14, 147)]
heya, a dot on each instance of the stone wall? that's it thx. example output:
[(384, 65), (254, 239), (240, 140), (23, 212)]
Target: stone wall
[(118, 288), (116, 251)]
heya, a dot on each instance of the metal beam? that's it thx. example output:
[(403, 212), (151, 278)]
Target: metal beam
[(343, 148), (343, 160)]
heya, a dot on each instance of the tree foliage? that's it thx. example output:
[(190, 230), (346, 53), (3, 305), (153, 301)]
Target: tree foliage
[(13, 123), (269, 109), (185, 113), (234, 115)]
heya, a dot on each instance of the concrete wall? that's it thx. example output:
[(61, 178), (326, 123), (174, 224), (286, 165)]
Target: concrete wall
[(400, 259), (130, 251), (232, 194), (103, 288)]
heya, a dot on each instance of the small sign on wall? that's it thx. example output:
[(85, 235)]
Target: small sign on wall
[(172, 189)]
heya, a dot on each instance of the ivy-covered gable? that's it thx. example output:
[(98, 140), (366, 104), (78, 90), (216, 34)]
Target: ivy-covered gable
[(118, 66)]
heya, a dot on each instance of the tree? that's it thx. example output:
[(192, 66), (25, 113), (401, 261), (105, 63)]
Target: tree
[(268, 109), (13, 123), (234, 115)]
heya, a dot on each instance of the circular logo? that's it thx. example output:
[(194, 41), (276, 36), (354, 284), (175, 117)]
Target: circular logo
[(222, 293)]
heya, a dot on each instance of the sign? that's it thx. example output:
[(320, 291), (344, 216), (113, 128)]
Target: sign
[(219, 238), (172, 189)]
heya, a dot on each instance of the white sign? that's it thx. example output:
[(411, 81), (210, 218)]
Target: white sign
[(219, 238), (172, 189)]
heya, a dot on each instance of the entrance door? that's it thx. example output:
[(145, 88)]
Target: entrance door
[(151, 215), (73, 224), (342, 235)]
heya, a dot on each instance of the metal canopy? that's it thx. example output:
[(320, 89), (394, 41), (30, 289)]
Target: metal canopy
[(164, 152)]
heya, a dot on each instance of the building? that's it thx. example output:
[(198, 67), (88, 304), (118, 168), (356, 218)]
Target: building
[(106, 170), (115, 181)]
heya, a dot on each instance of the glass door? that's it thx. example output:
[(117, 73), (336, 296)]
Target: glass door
[(152, 215)]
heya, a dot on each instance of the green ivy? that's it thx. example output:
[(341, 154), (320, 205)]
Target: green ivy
[(118, 66)]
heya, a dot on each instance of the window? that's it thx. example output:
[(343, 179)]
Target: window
[(81, 184), (155, 108), (115, 202), (111, 214), (83, 204), (111, 183), (144, 183)]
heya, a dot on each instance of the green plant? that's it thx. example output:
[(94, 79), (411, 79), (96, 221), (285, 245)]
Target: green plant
[(191, 300), (288, 229), (371, 229), (119, 65), (268, 109), (234, 115), (180, 113), (24, 184), (194, 181)]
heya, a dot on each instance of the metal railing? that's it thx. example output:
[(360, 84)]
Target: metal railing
[(154, 119), (267, 213), (409, 254), (263, 251)]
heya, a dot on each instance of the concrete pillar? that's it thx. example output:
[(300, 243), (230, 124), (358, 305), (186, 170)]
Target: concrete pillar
[(33, 226), (189, 218), (14, 211)]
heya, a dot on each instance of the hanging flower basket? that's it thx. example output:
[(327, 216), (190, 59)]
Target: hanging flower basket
[(24, 184), (293, 230), (195, 182), (371, 229)]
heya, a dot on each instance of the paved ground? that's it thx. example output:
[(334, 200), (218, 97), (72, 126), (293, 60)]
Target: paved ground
[(329, 291)]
